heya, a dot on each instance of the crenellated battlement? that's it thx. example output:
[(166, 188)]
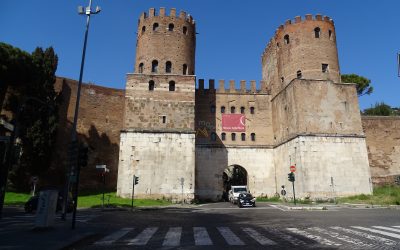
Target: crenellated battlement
[(297, 20), (230, 87), (162, 13)]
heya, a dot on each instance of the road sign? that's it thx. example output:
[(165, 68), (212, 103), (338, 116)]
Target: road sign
[(283, 192), (292, 169)]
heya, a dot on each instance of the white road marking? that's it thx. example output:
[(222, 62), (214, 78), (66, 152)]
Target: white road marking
[(397, 226), (344, 238), (258, 237), (277, 207), (201, 237), (143, 237), (287, 237), (313, 237), (230, 237), (386, 241), (397, 236), (388, 228), (173, 237), (109, 239)]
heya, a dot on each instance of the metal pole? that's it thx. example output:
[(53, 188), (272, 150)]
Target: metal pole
[(133, 190), (104, 187), (74, 125), (294, 194)]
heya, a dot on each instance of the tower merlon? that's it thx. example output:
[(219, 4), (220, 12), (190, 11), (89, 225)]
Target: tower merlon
[(232, 88), (201, 84), (163, 13)]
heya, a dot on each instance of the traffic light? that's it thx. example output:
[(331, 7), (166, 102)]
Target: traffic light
[(136, 180), (291, 177), (83, 155)]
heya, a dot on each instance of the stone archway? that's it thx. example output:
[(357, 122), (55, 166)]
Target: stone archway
[(233, 175)]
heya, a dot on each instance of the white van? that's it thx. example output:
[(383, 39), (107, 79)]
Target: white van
[(235, 191)]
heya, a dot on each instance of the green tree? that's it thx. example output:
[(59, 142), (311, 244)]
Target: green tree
[(380, 109), (363, 84), (30, 78)]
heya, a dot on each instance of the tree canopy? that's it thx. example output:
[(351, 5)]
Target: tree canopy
[(33, 102), (381, 109), (363, 84)]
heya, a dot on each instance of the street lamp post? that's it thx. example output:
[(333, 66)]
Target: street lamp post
[(73, 175)]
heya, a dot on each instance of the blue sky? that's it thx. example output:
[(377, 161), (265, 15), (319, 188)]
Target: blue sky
[(232, 36)]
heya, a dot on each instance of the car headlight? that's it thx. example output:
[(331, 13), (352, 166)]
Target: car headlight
[(253, 200), (241, 201)]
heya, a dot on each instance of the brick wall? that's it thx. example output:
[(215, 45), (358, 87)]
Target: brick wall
[(383, 144)]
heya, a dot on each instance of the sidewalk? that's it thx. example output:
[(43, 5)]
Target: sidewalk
[(22, 234)]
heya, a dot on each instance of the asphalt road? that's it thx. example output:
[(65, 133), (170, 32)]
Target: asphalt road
[(210, 226), (224, 226)]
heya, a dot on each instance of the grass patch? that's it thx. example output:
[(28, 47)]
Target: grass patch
[(386, 195), (12, 198), (268, 199), (110, 199), (94, 200)]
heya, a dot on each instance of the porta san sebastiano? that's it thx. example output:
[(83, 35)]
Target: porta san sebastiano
[(189, 138)]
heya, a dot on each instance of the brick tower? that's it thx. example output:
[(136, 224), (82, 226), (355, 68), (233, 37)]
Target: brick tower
[(158, 139), (315, 116)]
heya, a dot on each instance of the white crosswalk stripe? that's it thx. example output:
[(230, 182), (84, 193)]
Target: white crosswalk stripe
[(383, 240), (143, 237), (201, 237), (344, 238), (230, 237), (258, 237), (388, 228), (108, 240), (397, 226), (378, 231), (173, 237), (317, 238), (287, 237), (354, 237)]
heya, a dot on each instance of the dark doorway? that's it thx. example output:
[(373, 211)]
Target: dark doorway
[(234, 175)]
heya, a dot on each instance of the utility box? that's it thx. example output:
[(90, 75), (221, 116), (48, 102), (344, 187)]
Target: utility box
[(46, 210)]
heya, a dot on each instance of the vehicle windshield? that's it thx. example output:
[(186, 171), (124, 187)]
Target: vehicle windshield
[(239, 190), (246, 195)]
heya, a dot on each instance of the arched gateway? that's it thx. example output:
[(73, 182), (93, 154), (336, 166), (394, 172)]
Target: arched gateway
[(234, 175)]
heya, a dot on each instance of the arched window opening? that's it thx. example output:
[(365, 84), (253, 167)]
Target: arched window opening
[(222, 109), (242, 110), (168, 67), (252, 110), (184, 30), (213, 136), (233, 109), (154, 66), (330, 34), (171, 27), (223, 136), (282, 80), (171, 86), (286, 38), (299, 74), (233, 136), (325, 68), (155, 26), (151, 85), (143, 29), (185, 69), (243, 136), (212, 109), (140, 69), (253, 136), (317, 32)]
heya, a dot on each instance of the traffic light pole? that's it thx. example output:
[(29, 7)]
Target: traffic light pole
[(294, 194), (133, 190)]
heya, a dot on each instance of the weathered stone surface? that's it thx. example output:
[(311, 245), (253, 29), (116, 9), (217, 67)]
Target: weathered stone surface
[(383, 143)]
